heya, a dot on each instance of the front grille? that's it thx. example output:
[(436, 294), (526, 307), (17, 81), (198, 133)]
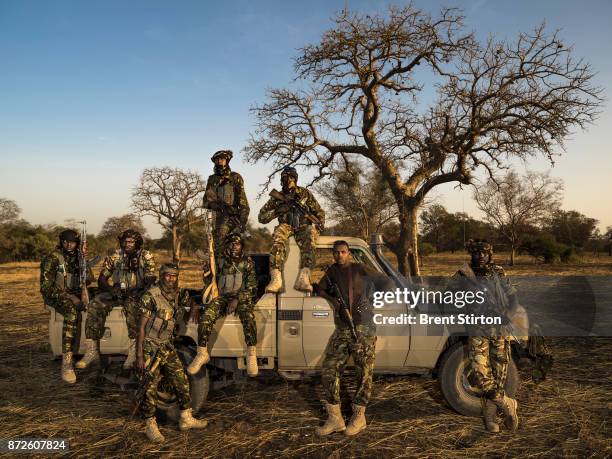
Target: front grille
[(290, 314)]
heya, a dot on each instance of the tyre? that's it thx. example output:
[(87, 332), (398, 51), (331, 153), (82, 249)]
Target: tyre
[(462, 396), (199, 384)]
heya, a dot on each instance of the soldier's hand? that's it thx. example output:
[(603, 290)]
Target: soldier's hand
[(84, 248), (231, 307), (140, 364), (282, 209)]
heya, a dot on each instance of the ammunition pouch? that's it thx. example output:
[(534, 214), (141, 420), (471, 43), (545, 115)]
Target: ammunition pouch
[(160, 329)]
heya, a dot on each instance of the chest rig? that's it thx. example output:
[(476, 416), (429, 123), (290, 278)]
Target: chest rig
[(230, 277), (160, 327), (126, 276), (67, 277), (225, 190)]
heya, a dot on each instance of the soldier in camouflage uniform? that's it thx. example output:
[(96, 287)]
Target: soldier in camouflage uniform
[(489, 354), (61, 290), (292, 223), (237, 282), (159, 306), (355, 282), (225, 195), (132, 270)]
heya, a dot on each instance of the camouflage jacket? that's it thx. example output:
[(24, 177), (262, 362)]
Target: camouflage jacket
[(59, 274), (274, 209), (235, 278), (229, 189), (159, 307), (116, 266), (491, 276)]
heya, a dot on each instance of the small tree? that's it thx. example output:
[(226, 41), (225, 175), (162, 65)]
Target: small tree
[(358, 199), (515, 203), (174, 197), (9, 211)]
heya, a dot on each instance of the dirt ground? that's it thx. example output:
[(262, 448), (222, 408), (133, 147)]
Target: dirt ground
[(565, 416)]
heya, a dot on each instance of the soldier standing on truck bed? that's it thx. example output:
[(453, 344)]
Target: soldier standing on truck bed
[(132, 270), (299, 215), (61, 289), (489, 354), (354, 282), (155, 352), (237, 282), (226, 197)]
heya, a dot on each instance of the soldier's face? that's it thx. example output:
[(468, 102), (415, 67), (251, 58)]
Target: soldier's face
[(171, 279), (221, 161), (129, 244), (69, 246), (288, 181), (479, 258), (341, 254), (235, 249)]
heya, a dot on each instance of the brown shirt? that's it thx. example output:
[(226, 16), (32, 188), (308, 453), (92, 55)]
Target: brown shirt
[(362, 279)]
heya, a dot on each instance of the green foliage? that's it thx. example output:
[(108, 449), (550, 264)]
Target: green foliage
[(21, 241), (571, 228), (425, 249), (544, 247)]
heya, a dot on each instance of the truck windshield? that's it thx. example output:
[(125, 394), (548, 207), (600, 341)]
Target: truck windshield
[(325, 258)]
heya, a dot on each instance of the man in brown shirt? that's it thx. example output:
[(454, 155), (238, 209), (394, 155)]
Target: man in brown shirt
[(355, 282)]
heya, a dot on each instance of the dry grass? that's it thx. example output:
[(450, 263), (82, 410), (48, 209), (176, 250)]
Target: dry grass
[(567, 415)]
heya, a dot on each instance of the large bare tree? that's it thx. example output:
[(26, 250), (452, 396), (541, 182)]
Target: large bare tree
[(174, 197), (515, 203), (358, 197), (357, 91)]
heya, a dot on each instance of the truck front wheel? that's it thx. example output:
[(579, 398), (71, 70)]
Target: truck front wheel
[(199, 384), (462, 396)]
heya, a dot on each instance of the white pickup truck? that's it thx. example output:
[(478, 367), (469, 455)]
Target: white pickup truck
[(293, 329)]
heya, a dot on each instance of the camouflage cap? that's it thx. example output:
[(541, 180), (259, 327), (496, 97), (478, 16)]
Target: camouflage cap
[(170, 268), (133, 234), (228, 154), (290, 171), (69, 235), (479, 246), (231, 238)]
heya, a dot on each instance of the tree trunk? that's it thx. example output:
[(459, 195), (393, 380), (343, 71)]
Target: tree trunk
[(406, 247), (512, 252), (176, 245)]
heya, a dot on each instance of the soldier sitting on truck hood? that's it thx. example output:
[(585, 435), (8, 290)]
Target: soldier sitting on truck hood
[(354, 283), (132, 270), (293, 214), (237, 282), (156, 354)]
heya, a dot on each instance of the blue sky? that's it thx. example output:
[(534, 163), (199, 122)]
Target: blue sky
[(93, 92)]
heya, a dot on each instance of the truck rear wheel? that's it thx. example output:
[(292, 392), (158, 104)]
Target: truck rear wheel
[(462, 396), (199, 384)]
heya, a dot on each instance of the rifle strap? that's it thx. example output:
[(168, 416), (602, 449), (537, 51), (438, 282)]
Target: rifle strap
[(350, 287)]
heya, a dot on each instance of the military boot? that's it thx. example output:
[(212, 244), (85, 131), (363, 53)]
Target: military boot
[(302, 283), (201, 358), (251, 359), (334, 422), (509, 407), (276, 281), (187, 421), (91, 355), (152, 431), (131, 356), (68, 374), (357, 422), (489, 413)]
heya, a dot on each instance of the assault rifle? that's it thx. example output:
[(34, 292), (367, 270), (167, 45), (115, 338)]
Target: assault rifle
[(345, 311), (299, 207), (212, 291), (83, 267), (147, 377)]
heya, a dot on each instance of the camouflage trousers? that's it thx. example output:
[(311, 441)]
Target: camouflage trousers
[(306, 238), (489, 357), (70, 329), (339, 347), (101, 306), (217, 309), (171, 368)]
